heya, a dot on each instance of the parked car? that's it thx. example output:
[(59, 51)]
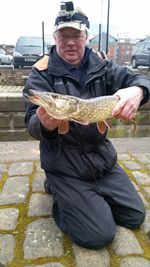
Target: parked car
[(4, 58), (28, 50), (141, 54)]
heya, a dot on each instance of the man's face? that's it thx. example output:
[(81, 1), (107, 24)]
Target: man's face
[(70, 44)]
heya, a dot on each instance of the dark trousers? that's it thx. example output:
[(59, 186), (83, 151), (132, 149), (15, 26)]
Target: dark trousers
[(89, 211)]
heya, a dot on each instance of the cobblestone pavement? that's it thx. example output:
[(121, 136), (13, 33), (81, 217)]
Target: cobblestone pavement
[(28, 234)]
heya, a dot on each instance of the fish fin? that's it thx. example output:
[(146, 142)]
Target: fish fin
[(103, 125), (109, 124), (80, 121), (63, 127), (134, 126)]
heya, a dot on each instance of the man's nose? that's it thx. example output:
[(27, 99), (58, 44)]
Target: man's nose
[(71, 40)]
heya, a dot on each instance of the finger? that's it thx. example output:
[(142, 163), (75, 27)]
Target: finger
[(118, 108), (129, 110), (40, 111), (126, 114)]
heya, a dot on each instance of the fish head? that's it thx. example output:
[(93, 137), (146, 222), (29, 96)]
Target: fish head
[(40, 98), (57, 105)]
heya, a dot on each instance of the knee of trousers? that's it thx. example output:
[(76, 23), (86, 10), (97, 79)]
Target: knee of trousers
[(93, 239), (137, 220)]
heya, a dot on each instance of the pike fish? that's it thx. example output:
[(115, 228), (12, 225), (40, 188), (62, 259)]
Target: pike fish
[(70, 108)]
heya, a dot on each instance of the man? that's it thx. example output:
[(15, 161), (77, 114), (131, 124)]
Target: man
[(92, 194)]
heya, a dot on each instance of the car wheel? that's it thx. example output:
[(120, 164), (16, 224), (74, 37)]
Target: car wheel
[(133, 63), (11, 62), (16, 66)]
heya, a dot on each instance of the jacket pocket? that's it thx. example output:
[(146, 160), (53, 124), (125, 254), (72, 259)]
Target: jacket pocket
[(102, 159)]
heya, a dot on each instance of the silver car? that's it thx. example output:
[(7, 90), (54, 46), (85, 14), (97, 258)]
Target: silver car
[(4, 58)]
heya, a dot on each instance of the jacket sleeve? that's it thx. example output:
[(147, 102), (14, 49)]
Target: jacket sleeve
[(37, 80), (123, 77)]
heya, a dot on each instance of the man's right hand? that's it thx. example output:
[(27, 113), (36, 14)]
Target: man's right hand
[(47, 121)]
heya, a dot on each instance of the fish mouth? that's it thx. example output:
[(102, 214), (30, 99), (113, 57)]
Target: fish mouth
[(35, 92), (32, 98), (35, 96), (40, 95), (31, 93)]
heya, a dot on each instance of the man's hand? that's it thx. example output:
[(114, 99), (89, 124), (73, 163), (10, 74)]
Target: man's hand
[(47, 121), (130, 99)]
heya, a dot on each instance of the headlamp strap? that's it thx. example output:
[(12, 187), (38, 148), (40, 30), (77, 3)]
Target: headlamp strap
[(73, 17)]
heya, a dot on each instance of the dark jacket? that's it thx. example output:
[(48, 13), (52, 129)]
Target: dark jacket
[(83, 152)]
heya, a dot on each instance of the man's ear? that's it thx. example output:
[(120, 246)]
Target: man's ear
[(87, 40), (54, 36)]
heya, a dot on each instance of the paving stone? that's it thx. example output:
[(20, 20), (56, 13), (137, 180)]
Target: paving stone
[(131, 165), (24, 151), (43, 239), (14, 194), (3, 168), (8, 218), (91, 258), (38, 182), (142, 157), (20, 168), (7, 245), (142, 178), (136, 186), (147, 154), (125, 242), (123, 156), (147, 190), (38, 168), (148, 167), (148, 235), (40, 205), (143, 199), (146, 225), (135, 261), (53, 264)]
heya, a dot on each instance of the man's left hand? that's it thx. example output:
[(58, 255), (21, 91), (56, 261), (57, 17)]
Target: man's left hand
[(130, 99)]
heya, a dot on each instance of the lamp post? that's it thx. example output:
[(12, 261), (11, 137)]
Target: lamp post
[(43, 37), (100, 27), (99, 41), (107, 33)]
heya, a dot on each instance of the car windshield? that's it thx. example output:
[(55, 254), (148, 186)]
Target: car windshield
[(30, 41), (30, 45)]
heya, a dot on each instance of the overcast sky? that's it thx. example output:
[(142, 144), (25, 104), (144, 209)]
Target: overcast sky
[(25, 17)]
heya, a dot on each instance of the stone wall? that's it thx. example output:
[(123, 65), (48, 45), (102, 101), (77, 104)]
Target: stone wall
[(12, 126), (13, 76), (126, 129)]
